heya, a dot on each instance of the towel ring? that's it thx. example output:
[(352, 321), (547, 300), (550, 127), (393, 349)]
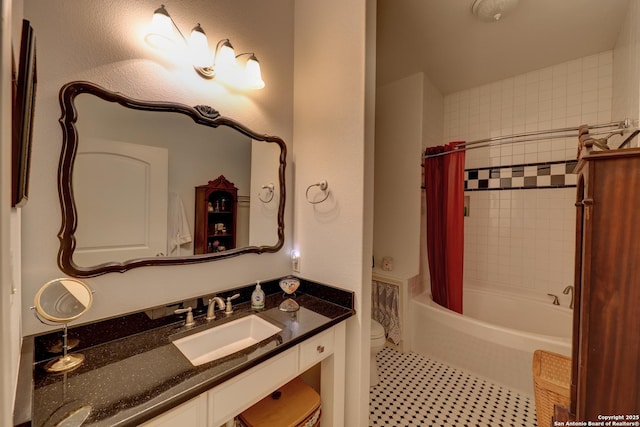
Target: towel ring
[(324, 187), (268, 194)]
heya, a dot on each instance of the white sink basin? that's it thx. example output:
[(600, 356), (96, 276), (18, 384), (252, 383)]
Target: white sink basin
[(225, 339)]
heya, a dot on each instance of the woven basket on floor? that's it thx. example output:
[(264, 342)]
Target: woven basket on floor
[(551, 381)]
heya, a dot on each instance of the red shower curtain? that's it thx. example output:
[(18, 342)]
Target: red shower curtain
[(444, 183)]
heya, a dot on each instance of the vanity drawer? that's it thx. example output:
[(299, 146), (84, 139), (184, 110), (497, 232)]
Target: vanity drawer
[(239, 393), (315, 349), (192, 413)]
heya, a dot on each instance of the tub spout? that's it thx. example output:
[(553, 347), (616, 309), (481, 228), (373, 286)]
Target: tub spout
[(569, 290), (555, 299)]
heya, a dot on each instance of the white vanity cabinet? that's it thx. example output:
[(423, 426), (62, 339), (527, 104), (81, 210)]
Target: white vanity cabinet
[(223, 402)]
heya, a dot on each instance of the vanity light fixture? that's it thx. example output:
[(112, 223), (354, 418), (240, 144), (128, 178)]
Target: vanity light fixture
[(221, 64), (492, 10)]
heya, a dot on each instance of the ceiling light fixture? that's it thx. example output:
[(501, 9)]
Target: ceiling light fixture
[(220, 64), (492, 10)]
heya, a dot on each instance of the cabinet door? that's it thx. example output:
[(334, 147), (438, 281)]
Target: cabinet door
[(605, 366), (192, 413), (610, 295)]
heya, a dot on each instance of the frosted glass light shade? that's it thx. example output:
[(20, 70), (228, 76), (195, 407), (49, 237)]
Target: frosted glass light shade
[(162, 33), (253, 74), (199, 48), (225, 57)]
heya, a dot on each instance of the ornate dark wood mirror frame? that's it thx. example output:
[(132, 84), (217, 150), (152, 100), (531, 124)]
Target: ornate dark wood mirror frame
[(200, 114)]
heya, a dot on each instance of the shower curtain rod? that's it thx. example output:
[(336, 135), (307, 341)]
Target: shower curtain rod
[(619, 126)]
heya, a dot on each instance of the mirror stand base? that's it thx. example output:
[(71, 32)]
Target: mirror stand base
[(64, 363)]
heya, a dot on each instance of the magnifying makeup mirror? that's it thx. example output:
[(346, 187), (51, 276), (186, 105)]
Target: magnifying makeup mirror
[(59, 302)]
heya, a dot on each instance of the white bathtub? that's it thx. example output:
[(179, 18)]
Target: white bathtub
[(496, 336)]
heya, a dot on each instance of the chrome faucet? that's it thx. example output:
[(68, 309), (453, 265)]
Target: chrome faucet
[(567, 290), (555, 299), (212, 307), (229, 309)]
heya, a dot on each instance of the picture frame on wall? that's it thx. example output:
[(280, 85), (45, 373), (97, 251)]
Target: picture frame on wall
[(22, 116)]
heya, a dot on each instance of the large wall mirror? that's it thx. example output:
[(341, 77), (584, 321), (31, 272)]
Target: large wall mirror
[(127, 181)]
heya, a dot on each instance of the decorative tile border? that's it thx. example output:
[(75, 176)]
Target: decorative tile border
[(517, 177)]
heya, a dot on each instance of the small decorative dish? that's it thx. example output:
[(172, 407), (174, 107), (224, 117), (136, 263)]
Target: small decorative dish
[(289, 285)]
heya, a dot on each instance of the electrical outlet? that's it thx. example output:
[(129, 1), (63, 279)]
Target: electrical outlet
[(295, 261)]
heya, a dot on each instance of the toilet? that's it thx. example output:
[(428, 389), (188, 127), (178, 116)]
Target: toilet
[(378, 339)]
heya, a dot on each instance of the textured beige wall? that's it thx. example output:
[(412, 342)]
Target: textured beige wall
[(332, 137)]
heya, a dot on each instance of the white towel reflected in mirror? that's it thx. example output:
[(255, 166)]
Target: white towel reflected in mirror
[(178, 229)]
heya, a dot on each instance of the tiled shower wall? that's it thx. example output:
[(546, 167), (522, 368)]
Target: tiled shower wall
[(523, 239), (626, 67)]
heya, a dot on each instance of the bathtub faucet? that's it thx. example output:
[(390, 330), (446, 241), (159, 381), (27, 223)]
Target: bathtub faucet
[(555, 299), (567, 290)]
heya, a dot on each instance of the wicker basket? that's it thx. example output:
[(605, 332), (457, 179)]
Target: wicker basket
[(297, 405), (551, 381)]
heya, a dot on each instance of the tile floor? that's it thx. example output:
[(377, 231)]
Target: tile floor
[(416, 390)]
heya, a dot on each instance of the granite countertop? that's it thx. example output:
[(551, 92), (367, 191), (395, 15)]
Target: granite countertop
[(141, 374)]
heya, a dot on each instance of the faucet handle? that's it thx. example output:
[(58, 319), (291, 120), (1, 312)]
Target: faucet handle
[(556, 301), (229, 309), (189, 321)]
